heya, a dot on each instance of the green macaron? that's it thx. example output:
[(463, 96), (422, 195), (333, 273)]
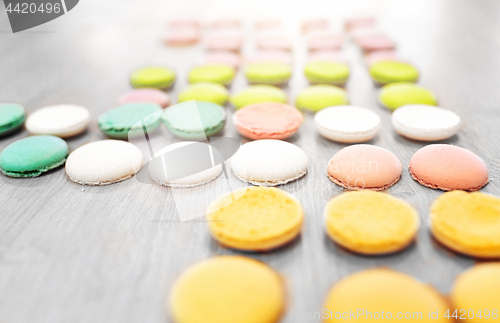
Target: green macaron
[(385, 72), (221, 74), (194, 122), (12, 116), (205, 91), (323, 72), (32, 156), (317, 97), (153, 77), (258, 94), (395, 95), (268, 73), (129, 120)]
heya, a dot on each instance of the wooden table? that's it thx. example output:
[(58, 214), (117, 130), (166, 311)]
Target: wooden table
[(72, 253)]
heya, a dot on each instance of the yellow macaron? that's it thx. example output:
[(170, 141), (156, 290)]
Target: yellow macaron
[(468, 223), (475, 294), (370, 222), (255, 219), (228, 289), (379, 294)]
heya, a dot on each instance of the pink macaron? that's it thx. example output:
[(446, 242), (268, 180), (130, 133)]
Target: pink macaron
[(359, 167), (146, 95), (269, 23), (381, 55), (270, 56), (359, 22), (226, 23), (448, 167), (225, 42), (369, 44), (315, 24), (222, 57), (325, 41), (267, 120), (182, 37), (327, 55), (184, 22), (274, 42)]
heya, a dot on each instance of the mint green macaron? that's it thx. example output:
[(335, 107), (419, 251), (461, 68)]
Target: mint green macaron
[(32, 156), (317, 97), (268, 73), (323, 72), (258, 94), (385, 72), (12, 116), (395, 95), (205, 91), (153, 77), (128, 120), (217, 73), (194, 122)]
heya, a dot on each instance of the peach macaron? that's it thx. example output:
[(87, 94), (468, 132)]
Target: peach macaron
[(359, 167), (448, 167), (269, 120)]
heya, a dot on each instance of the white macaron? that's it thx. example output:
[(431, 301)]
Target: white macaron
[(347, 123), (269, 162), (425, 122), (190, 166), (104, 162), (62, 120)]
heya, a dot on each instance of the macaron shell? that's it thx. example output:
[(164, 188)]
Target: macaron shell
[(396, 95), (12, 116), (361, 166), (317, 97), (468, 223), (268, 73), (153, 77), (258, 94), (225, 43), (448, 167), (215, 73), (392, 71), (205, 91), (146, 95), (260, 219), (183, 37), (325, 41), (63, 120), (104, 162), (267, 121), (327, 72), (274, 42)]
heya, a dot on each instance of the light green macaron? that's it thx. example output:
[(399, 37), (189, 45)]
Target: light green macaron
[(128, 120), (12, 116), (258, 94), (268, 73), (205, 91), (317, 97), (196, 122), (221, 74), (322, 72), (385, 72), (153, 77), (395, 95), (32, 156)]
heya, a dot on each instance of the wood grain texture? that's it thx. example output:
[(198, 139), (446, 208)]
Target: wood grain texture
[(71, 253)]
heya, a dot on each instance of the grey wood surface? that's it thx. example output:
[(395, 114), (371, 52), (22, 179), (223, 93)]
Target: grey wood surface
[(71, 253)]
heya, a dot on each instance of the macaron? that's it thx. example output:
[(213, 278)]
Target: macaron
[(327, 72), (317, 97), (468, 223), (103, 162), (146, 96), (347, 123), (390, 225), (268, 73), (194, 122), (12, 116), (269, 162), (395, 95), (205, 91), (183, 37), (184, 22), (448, 167), (383, 293), (33, 155), (359, 22), (270, 56), (62, 120), (228, 289), (153, 77), (476, 291), (392, 71), (255, 219), (425, 122), (164, 170), (315, 24), (274, 42), (258, 94), (326, 56), (222, 58), (325, 41), (364, 167), (226, 41), (128, 120), (369, 44), (381, 55), (267, 23), (268, 120), (225, 23), (217, 73)]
